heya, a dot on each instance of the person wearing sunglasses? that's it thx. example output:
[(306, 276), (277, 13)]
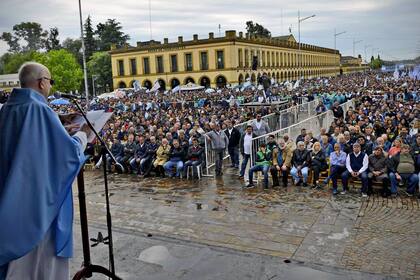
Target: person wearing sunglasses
[(38, 163)]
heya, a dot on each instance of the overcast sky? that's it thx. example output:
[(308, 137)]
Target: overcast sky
[(392, 26)]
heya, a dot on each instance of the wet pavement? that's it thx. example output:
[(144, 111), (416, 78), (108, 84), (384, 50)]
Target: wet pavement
[(213, 229)]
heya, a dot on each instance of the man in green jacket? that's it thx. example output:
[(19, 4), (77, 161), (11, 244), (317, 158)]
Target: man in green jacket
[(263, 163)]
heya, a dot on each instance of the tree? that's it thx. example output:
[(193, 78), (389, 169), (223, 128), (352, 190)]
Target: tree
[(10, 62), (74, 46), (100, 66), (376, 64), (90, 42), (31, 32), (64, 69), (110, 33), (12, 41), (52, 42), (257, 30)]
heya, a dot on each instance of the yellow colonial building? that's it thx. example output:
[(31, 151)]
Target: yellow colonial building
[(215, 62)]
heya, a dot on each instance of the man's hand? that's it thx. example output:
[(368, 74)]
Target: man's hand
[(67, 119), (397, 176), (284, 167), (85, 128), (278, 168)]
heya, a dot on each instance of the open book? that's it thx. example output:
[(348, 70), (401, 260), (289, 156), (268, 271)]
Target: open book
[(97, 118)]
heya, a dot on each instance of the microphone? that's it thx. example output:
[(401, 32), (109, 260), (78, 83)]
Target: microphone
[(68, 96)]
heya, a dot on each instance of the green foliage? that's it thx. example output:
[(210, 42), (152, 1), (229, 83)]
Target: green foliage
[(10, 62), (31, 32), (257, 30), (74, 47), (64, 69), (376, 63), (110, 33), (100, 66), (52, 42), (90, 42), (12, 41)]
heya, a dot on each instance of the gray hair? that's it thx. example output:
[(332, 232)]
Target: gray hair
[(301, 143), (31, 71)]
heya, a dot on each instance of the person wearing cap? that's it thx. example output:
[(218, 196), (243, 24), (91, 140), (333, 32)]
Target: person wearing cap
[(357, 164), (262, 163), (378, 169), (365, 147)]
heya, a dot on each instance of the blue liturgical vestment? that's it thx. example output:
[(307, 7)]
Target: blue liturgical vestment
[(38, 164)]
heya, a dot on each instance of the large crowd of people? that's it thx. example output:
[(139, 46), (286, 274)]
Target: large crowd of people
[(163, 134)]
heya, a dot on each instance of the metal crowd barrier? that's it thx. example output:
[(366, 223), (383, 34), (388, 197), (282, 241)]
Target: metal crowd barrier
[(275, 121), (313, 123)]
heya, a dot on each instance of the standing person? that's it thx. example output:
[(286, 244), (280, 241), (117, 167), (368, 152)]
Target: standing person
[(259, 126), (246, 149), (36, 176), (234, 137), (219, 143)]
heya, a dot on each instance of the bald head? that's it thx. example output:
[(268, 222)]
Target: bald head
[(35, 76), (30, 72)]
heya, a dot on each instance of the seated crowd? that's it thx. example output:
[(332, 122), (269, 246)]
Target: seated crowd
[(377, 140)]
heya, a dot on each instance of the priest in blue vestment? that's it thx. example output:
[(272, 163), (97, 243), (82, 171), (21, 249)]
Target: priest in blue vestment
[(39, 161)]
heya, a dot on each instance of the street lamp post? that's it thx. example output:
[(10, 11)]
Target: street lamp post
[(83, 55), (354, 46), (335, 38), (299, 21), (94, 77), (366, 46)]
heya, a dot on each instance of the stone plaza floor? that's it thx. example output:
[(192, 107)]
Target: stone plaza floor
[(213, 229)]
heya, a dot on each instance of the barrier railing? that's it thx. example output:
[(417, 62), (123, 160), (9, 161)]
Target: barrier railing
[(314, 124), (275, 121)]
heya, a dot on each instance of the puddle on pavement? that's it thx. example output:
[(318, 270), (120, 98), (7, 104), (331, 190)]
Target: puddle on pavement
[(160, 255)]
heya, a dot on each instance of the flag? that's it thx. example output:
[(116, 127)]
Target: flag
[(396, 73), (136, 85), (156, 86), (296, 84), (365, 84)]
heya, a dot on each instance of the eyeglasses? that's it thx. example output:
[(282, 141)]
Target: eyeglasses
[(51, 80)]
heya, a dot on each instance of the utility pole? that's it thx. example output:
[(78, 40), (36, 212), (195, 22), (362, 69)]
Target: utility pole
[(366, 46), (354, 46), (299, 21), (83, 56), (335, 38)]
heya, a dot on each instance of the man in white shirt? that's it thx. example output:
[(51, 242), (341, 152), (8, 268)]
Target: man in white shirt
[(245, 145), (357, 164)]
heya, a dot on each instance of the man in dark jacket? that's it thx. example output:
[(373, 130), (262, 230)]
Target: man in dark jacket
[(129, 149), (378, 169), (337, 111), (301, 160), (402, 168), (117, 149), (139, 155), (194, 156), (151, 149), (176, 159), (234, 137)]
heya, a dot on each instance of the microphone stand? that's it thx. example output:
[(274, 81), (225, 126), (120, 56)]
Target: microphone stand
[(87, 267)]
